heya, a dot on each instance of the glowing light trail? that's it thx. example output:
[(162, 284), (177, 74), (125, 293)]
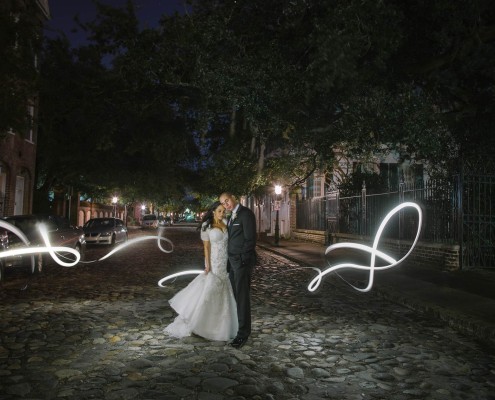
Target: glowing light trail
[(134, 241), (54, 251), (173, 276), (21, 236), (313, 285)]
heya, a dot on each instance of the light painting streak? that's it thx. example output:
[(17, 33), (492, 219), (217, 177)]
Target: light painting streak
[(21, 236), (53, 251), (134, 241), (313, 285), (173, 276)]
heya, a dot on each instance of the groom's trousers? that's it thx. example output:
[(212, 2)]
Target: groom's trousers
[(241, 269)]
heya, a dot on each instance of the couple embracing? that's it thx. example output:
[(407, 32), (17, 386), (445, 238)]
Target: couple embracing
[(217, 303)]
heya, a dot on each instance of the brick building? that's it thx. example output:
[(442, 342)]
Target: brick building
[(18, 149)]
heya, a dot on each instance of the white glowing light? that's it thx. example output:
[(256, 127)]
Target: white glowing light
[(173, 276), (41, 249), (54, 251), (21, 236), (136, 240), (372, 250)]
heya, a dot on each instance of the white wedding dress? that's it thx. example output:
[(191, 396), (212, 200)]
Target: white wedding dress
[(207, 307)]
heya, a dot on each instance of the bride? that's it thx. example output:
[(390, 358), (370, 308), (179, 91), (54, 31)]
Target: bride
[(206, 307)]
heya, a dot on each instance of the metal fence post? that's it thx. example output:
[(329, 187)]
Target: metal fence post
[(332, 212), (401, 200), (363, 229), (460, 215)]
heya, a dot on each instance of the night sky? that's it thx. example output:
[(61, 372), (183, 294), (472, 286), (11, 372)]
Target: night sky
[(63, 11)]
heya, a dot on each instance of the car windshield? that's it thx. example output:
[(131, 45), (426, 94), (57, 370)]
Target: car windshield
[(149, 217), (97, 223), (27, 225)]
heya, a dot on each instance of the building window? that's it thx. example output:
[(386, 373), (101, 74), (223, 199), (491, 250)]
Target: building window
[(318, 184), (389, 174), (314, 186)]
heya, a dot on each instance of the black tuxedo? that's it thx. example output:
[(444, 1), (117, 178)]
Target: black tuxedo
[(242, 258)]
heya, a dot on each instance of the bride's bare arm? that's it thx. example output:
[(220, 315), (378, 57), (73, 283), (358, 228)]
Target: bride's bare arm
[(207, 250)]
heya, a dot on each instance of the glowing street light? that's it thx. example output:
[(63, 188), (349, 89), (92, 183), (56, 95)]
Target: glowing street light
[(115, 199), (278, 192)]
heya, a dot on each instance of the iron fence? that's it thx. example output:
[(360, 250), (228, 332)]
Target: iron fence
[(362, 214), (311, 214), (457, 211), (477, 227)]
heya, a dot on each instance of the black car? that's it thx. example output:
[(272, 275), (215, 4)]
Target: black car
[(60, 233)]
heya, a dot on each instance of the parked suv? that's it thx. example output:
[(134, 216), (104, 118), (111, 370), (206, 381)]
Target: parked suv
[(60, 233), (150, 221)]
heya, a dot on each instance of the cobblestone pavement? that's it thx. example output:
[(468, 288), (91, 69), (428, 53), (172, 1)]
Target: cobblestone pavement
[(95, 331)]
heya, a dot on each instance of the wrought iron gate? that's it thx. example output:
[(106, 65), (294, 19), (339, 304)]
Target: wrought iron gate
[(477, 223)]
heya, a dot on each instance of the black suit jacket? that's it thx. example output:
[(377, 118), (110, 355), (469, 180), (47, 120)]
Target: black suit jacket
[(242, 233)]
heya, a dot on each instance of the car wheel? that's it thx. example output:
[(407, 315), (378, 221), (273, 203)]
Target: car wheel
[(113, 241)]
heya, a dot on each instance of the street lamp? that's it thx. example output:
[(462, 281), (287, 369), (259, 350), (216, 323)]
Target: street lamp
[(278, 191), (114, 201), (143, 211)]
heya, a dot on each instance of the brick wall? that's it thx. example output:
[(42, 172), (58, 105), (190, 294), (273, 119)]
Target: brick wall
[(309, 235)]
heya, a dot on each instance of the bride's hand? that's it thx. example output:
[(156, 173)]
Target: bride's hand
[(207, 269)]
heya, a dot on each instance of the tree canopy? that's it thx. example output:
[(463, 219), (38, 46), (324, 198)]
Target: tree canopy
[(236, 95)]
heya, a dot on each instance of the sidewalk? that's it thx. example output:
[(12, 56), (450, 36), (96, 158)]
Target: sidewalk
[(465, 300)]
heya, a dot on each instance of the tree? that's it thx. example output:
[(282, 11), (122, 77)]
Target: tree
[(235, 95), (278, 75), (303, 76), (110, 125), (448, 50)]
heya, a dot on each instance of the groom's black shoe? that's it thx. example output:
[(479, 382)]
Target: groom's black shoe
[(238, 342)]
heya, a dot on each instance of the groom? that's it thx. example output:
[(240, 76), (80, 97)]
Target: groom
[(242, 258)]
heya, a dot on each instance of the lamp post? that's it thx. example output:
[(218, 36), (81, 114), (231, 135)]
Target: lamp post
[(114, 201), (278, 191), (143, 210)]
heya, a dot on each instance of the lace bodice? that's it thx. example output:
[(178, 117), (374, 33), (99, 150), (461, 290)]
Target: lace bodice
[(218, 241)]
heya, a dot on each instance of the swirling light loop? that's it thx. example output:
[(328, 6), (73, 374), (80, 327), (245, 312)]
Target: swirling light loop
[(137, 240), (51, 250), (173, 276), (313, 285), (41, 249), (54, 251), (16, 231)]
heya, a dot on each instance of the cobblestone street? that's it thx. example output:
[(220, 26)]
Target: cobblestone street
[(96, 331)]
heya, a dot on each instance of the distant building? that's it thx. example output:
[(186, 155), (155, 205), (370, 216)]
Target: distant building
[(18, 149)]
